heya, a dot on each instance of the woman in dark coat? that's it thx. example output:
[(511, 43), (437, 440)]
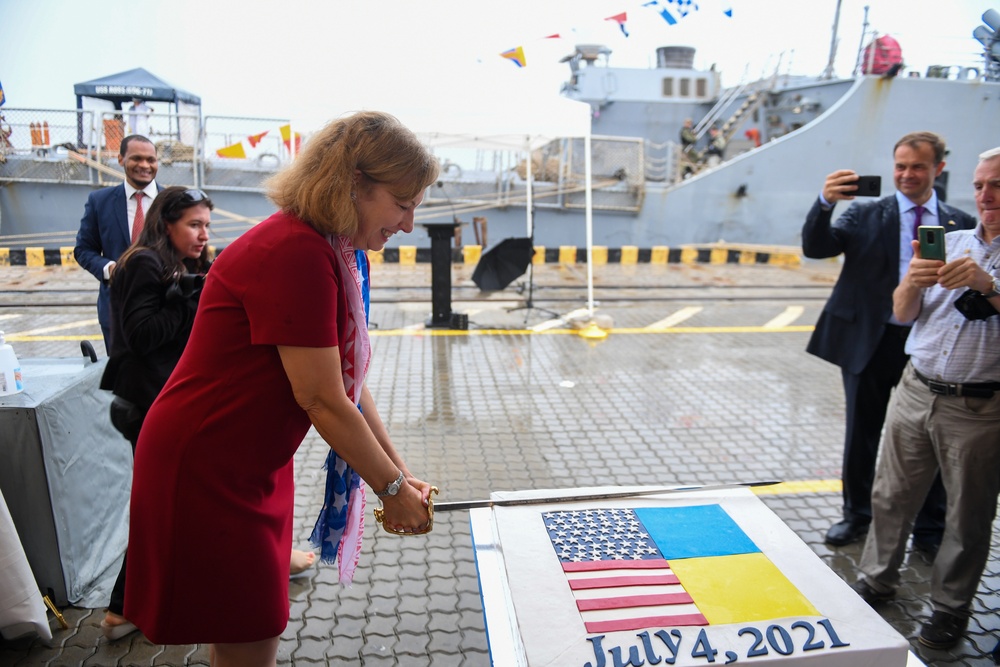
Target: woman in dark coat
[(154, 295)]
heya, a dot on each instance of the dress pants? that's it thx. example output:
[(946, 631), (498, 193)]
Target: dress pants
[(925, 432), (866, 400)]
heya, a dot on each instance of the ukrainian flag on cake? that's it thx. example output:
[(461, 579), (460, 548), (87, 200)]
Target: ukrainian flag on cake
[(631, 569)]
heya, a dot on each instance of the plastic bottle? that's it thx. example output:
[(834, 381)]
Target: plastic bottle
[(10, 370)]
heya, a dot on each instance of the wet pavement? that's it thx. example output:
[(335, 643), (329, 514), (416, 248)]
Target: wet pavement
[(703, 379)]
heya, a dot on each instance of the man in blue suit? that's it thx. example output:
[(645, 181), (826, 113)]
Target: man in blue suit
[(856, 329), (109, 219)]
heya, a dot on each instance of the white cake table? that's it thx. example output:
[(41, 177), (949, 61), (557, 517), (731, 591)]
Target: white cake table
[(21, 608), (66, 474), (533, 619)]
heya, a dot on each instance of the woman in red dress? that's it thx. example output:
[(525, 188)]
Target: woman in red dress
[(279, 345)]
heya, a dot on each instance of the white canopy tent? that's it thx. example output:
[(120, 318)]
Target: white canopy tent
[(516, 125)]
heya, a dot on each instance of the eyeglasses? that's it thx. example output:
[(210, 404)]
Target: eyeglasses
[(176, 203)]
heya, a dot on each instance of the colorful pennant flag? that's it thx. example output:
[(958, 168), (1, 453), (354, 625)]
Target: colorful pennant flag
[(2, 98), (630, 569), (668, 8), (684, 7), (516, 56), (234, 151), (620, 20), (286, 131), (664, 12), (254, 139)]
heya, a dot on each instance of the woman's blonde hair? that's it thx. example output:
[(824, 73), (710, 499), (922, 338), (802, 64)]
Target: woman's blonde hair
[(318, 185)]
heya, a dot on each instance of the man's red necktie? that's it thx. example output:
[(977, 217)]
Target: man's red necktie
[(140, 216)]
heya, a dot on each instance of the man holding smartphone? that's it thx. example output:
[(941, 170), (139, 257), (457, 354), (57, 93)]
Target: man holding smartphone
[(945, 415), (857, 330)]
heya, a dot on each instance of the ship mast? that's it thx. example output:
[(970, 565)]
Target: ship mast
[(858, 65), (828, 72)]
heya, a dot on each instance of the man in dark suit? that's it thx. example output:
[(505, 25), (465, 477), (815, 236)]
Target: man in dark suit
[(109, 219), (857, 331)]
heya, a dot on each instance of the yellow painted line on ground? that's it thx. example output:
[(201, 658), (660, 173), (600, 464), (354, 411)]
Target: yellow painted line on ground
[(678, 317), (58, 327), (791, 314), (704, 330), (419, 330), (53, 339), (801, 486), (623, 331)]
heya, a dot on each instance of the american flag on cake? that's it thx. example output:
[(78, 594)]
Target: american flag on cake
[(630, 569)]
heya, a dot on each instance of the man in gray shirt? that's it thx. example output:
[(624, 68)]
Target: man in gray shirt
[(945, 414)]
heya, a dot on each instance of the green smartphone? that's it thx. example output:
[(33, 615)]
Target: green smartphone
[(931, 242)]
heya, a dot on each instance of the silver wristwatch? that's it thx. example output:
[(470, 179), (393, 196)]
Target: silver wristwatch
[(393, 487), (994, 289)]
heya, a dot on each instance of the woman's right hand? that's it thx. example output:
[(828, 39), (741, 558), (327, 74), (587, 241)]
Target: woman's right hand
[(406, 512)]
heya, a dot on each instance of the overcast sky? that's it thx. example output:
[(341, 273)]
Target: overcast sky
[(314, 60)]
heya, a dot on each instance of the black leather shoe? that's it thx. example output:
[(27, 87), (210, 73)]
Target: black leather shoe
[(927, 546), (846, 532), (869, 594), (943, 630)]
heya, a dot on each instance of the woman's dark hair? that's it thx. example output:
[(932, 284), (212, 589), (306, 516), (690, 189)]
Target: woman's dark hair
[(167, 209)]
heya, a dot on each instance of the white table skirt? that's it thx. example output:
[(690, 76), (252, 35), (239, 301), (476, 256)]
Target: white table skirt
[(21, 608)]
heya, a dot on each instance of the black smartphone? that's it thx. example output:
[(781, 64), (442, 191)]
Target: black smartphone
[(868, 186), (931, 242)]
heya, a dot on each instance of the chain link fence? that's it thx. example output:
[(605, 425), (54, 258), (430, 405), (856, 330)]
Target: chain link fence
[(241, 152), (35, 145), (617, 172), (231, 158), (82, 146)]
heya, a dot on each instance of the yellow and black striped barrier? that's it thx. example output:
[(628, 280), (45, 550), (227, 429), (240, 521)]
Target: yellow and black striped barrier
[(601, 255), (470, 254)]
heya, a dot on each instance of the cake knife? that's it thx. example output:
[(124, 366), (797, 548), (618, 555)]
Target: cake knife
[(456, 505)]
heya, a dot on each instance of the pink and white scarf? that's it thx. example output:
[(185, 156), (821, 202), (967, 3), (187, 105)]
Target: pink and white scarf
[(341, 524)]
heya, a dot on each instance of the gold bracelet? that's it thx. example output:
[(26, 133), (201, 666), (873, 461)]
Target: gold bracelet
[(380, 518)]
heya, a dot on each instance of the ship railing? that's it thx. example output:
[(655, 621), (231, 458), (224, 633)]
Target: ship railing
[(479, 180), (35, 143), (727, 97), (217, 152), (675, 165), (238, 154)]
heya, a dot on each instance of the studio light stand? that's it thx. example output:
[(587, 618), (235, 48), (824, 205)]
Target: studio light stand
[(529, 304)]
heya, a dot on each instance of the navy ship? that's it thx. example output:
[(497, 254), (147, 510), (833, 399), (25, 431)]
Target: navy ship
[(778, 138)]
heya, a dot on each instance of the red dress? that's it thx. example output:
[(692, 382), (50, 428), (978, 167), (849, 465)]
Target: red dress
[(212, 494)]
